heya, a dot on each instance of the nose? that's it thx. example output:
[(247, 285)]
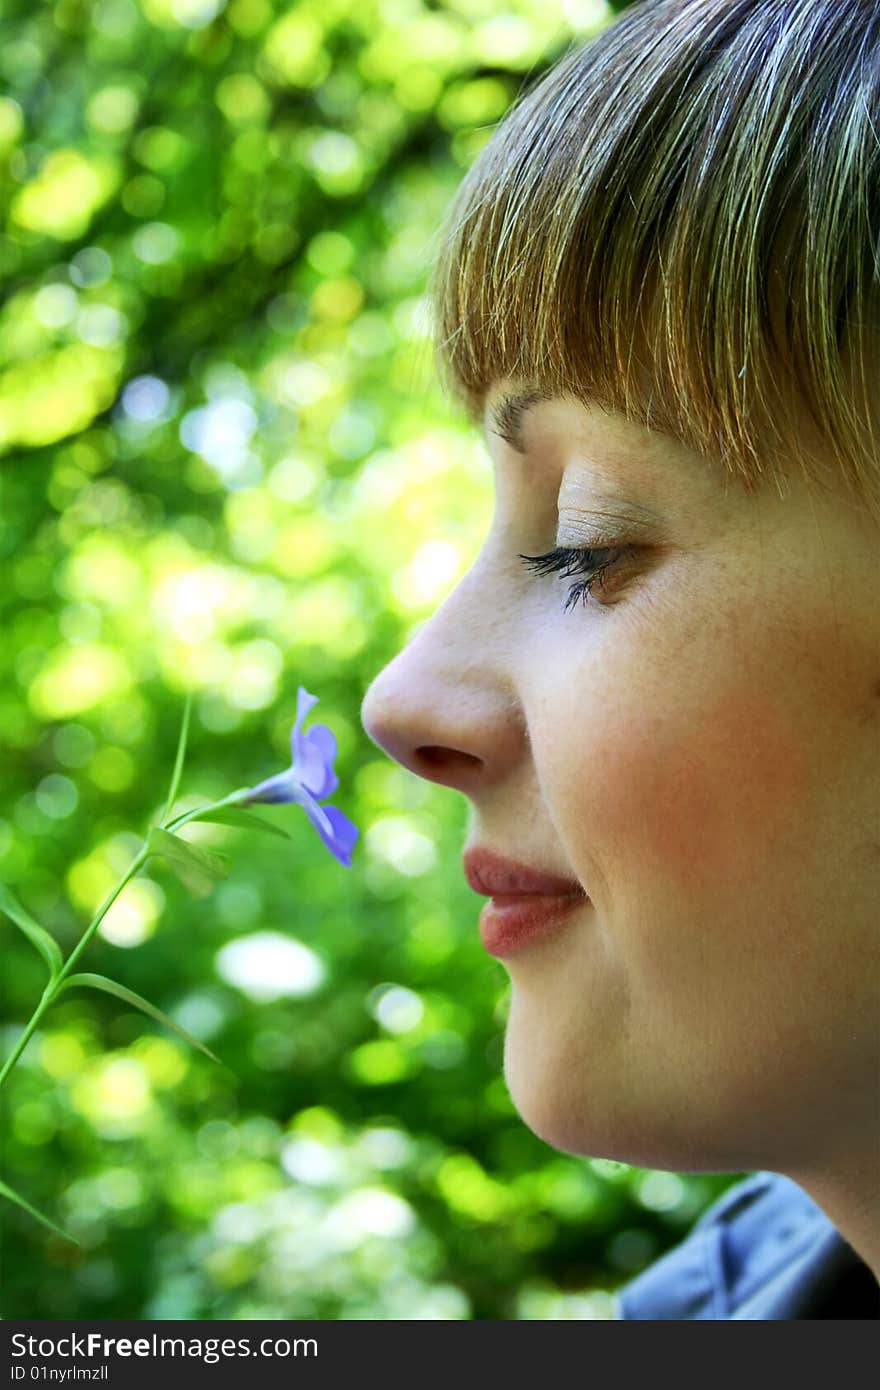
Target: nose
[(445, 707)]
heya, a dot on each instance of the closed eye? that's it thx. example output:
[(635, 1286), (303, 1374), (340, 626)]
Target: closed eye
[(592, 563)]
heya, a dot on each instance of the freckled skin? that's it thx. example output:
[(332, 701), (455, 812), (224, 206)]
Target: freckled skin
[(729, 784), (698, 747)]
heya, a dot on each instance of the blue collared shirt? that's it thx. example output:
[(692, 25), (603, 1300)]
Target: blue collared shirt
[(764, 1250)]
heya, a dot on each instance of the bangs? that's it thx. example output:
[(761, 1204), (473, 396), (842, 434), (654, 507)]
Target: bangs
[(682, 222)]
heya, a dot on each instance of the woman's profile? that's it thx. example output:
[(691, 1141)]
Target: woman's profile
[(658, 685)]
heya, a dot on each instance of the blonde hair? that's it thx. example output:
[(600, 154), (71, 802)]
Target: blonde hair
[(698, 186)]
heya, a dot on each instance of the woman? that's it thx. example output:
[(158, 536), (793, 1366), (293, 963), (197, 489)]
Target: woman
[(659, 683)]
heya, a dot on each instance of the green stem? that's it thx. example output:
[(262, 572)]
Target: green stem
[(26, 1035), (50, 993), (53, 988), (140, 858), (233, 799)]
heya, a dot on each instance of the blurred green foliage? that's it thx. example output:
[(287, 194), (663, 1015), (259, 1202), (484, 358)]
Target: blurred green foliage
[(227, 470)]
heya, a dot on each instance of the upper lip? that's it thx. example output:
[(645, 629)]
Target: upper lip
[(488, 873)]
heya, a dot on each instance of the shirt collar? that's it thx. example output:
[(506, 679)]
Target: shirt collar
[(764, 1250)]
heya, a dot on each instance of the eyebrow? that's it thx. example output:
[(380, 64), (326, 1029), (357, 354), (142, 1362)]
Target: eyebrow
[(507, 418), (508, 414)]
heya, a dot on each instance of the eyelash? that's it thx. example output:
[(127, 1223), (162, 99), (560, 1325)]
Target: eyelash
[(568, 562)]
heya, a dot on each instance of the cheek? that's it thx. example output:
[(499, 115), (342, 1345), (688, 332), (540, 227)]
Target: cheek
[(705, 797)]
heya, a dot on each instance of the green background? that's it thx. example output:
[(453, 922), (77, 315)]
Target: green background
[(227, 469)]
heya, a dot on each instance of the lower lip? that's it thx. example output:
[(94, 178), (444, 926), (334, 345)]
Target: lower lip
[(511, 922)]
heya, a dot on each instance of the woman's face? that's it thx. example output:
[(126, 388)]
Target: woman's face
[(699, 746)]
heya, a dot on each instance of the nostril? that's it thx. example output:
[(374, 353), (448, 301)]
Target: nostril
[(435, 757)]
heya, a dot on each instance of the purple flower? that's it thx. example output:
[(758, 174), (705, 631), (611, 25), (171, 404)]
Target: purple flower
[(309, 778)]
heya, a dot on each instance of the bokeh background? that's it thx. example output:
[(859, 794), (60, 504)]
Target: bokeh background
[(227, 469)]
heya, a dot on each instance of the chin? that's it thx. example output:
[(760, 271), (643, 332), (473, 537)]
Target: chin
[(554, 1099), (561, 1122), (569, 1123), (594, 1112)]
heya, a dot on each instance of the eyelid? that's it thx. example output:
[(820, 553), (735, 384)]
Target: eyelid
[(567, 559), (592, 562), (591, 530), (584, 506)]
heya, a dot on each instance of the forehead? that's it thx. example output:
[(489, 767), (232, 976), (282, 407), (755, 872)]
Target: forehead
[(540, 426), (512, 407)]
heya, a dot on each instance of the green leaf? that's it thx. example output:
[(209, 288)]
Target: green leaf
[(38, 936), (197, 868), (178, 761), (234, 815), (129, 997), (7, 1192)]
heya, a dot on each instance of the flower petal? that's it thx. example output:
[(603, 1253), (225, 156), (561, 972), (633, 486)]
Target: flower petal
[(284, 786), (309, 766), (316, 815), (341, 835), (325, 740), (304, 702), (314, 763)]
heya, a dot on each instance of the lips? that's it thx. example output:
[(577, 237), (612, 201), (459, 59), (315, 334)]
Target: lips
[(490, 874), (527, 905)]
